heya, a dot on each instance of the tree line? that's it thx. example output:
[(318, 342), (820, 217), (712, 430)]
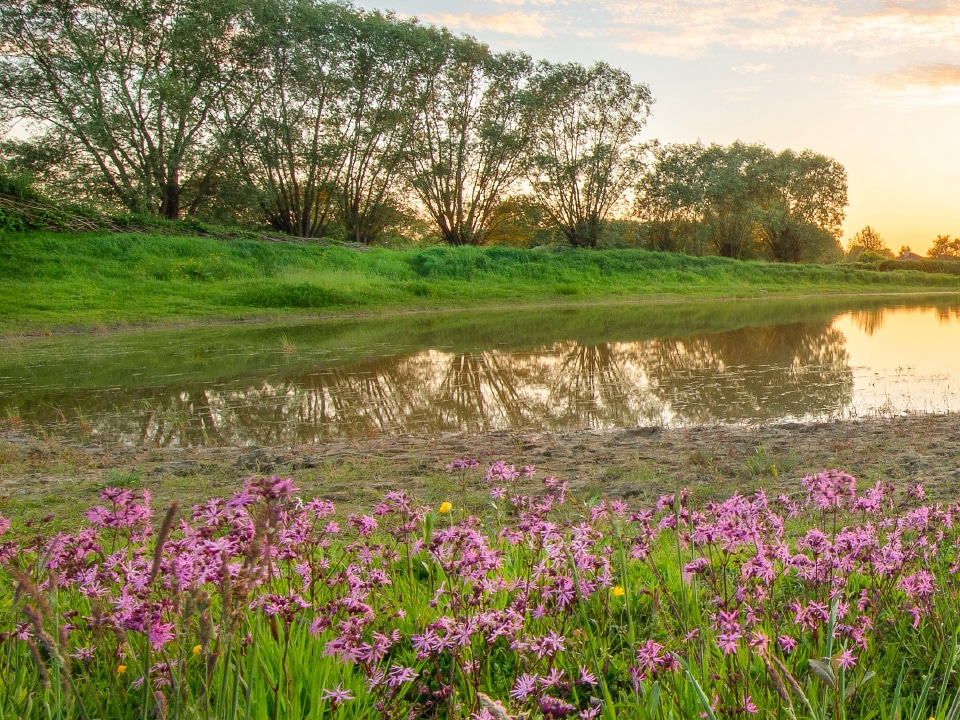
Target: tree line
[(868, 246), (316, 118)]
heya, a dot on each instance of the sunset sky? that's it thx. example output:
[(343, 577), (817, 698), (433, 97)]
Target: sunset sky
[(872, 83)]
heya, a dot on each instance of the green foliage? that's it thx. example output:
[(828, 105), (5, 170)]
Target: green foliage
[(943, 267), (164, 73), (320, 120), (293, 295), (586, 150), (16, 194), (868, 240), (331, 118), (743, 200), (470, 141), (17, 185), (12, 220)]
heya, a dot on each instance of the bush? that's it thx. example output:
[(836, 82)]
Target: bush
[(949, 267), (292, 295)]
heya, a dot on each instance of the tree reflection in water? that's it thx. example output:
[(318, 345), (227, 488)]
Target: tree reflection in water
[(483, 390), (757, 375), (600, 386), (869, 320), (799, 370)]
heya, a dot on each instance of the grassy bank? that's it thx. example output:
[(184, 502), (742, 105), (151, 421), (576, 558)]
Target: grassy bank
[(51, 281)]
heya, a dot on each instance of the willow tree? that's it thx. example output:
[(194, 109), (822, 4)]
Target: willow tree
[(745, 197), (731, 186), (586, 151), (668, 196), (802, 198), (471, 136), (132, 85), (375, 118), (288, 151)]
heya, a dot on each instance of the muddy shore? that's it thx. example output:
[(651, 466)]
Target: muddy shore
[(42, 475)]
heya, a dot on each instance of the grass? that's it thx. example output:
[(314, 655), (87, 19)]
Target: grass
[(832, 603), (51, 281)]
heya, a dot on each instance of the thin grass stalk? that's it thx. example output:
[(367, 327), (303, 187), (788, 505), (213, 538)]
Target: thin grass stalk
[(609, 710), (942, 696), (627, 585), (251, 669), (697, 688)]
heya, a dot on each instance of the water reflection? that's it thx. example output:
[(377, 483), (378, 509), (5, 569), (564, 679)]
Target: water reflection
[(558, 370), (791, 371), (748, 375), (870, 320)]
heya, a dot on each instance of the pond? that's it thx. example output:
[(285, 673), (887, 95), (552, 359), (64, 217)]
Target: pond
[(680, 364)]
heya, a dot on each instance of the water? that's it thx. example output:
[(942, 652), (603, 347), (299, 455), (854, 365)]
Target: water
[(744, 362)]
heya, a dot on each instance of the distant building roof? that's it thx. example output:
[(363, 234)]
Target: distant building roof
[(910, 255)]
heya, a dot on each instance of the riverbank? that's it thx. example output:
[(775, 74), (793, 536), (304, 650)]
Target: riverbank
[(42, 475), (56, 282)]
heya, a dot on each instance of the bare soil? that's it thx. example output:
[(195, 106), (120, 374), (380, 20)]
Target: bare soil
[(42, 475)]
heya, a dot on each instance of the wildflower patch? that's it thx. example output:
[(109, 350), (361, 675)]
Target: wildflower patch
[(834, 601)]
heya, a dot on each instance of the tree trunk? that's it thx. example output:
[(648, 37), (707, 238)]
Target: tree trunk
[(170, 197), (584, 233)]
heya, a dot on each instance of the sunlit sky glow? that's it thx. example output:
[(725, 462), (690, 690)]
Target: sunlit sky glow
[(872, 83)]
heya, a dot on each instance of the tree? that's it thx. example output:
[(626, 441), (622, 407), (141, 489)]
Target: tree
[(717, 188), (868, 240), (944, 248), (586, 152), (731, 189), (376, 118), (333, 105), (471, 137), (802, 197), (743, 196), (133, 85), (669, 196), (288, 152)]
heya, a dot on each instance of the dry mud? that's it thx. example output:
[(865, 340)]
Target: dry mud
[(40, 474)]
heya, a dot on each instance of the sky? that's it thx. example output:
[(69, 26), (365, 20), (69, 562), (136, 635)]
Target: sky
[(874, 84)]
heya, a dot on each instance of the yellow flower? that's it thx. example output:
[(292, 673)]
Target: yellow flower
[(617, 591), (121, 669), (445, 507), (197, 649)]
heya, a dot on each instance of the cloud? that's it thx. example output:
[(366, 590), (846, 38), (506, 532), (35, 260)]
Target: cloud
[(752, 68), (917, 86), (517, 3), (521, 24), (737, 94), (933, 76), (690, 28)]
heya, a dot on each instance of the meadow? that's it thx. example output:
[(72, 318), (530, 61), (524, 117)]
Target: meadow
[(57, 281), (835, 601)]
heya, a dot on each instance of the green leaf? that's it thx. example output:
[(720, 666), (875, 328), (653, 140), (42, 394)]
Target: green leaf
[(857, 684), (823, 671)]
